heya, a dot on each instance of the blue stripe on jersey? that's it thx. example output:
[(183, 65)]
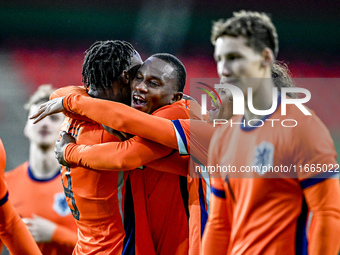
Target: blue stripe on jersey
[(318, 178), (30, 174), (183, 184), (120, 194), (217, 192), (181, 139), (206, 177), (4, 199), (301, 236), (204, 213), (129, 221), (73, 131)]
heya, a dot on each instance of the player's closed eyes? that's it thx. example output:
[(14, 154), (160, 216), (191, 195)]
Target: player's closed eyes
[(154, 83), (139, 77)]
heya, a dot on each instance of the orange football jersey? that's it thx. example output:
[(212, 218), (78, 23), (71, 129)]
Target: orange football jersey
[(96, 198), (178, 134), (261, 204)]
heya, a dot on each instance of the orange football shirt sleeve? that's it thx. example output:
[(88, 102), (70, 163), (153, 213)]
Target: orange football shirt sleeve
[(217, 230), (13, 232), (323, 200), (313, 145), (119, 156), (176, 164), (318, 175), (126, 155), (123, 118), (65, 237), (71, 89)]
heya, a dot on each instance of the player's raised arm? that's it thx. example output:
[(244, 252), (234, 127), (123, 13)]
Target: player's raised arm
[(55, 105), (112, 114), (124, 118)]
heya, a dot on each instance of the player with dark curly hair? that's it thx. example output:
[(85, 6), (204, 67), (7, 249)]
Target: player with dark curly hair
[(96, 199)]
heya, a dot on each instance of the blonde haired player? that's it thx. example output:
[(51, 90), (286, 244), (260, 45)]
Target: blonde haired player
[(35, 187)]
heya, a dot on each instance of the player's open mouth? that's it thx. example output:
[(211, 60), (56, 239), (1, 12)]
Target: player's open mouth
[(213, 107), (138, 100)]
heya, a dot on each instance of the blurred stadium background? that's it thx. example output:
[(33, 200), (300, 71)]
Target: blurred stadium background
[(44, 42)]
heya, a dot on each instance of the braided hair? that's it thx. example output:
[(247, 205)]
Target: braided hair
[(104, 63)]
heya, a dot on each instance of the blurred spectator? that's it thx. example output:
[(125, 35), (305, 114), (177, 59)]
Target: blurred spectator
[(35, 187)]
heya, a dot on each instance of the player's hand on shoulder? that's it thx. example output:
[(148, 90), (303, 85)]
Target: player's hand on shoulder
[(61, 145), (40, 228), (48, 108)]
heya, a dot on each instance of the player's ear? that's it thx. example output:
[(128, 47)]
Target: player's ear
[(267, 57), (125, 77), (176, 97)]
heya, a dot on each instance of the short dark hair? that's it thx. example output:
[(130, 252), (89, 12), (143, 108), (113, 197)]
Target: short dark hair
[(104, 63), (256, 27), (181, 73)]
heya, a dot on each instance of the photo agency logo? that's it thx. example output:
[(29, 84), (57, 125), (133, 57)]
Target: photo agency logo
[(238, 104), (204, 97)]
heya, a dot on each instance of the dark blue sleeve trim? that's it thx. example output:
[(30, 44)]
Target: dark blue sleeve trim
[(4, 199), (181, 132), (129, 221), (301, 242), (317, 179), (217, 192), (204, 213)]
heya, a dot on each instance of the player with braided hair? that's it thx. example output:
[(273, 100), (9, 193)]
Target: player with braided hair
[(103, 57), (96, 199)]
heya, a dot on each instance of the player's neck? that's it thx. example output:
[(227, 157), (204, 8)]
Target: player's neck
[(262, 100), (43, 162)]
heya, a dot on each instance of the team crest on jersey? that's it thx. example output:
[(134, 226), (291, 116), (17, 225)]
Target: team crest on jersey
[(263, 157), (60, 204)]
